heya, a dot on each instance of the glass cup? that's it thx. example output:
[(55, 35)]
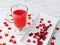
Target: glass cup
[(19, 14)]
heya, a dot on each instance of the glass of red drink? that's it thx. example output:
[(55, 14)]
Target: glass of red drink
[(19, 13)]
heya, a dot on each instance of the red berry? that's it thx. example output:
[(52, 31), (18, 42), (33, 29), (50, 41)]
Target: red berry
[(10, 40), (41, 19), (29, 14), (12, 36), (30, 34), (57, 28), (53, 38), (6, 35), (43, 24), (4, 22), (29, 17), (0, 37), (6, 25), (0, 30), (49, 21), (40, 25), (44, 38), (4, 43), (34, 41), (45, 33), (9, 28), (28, 40), (1, 44), (50, 24), (39, 43), (37, 33), (34, 36), (37, 27), (29, 23), (52, 43), (14, 42)]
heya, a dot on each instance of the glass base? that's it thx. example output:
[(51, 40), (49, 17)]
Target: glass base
[(20, 31)]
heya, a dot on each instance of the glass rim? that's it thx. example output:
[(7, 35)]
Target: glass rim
[(22, 5)]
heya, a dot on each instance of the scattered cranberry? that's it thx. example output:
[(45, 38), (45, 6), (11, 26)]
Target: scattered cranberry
[(57, 28), (0, 30), (14, 42), (52, 43), (40, 25), (37, 33), (53, 38), (12, 36), (29, 17), (29, 14), (41, 19), (34, 41), (0, 44), (49, 21), (30, 34), (34, 36), (10, 40), (0, 37), (28, 40), (37, 27), (44, 37), (9, 28), (4, 22), (4, 43), (43, 24), (50, 24), (39, 42), (45, 33), (6, 25), (29, 23), (6, 34)]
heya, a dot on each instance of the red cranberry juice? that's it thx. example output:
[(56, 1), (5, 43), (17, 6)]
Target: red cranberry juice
[(19, 18)]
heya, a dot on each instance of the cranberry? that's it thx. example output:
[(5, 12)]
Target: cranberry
[(28, 40), (57, 28), (37, 33), (29, 17), (4, 22), (4, 43), (53, 38), (49, 21), (10, 40), (45, 33), (30, 34), (29, 23), (6, 35), (0, 30), (40, 25), (0, 37), (29, 14), (50, 24), (39, 43), (44, 37), (6, 25), (34, 36), (1, 44), (34, 41), (41, 19), (12, 36), (52, 43), (9, 28), (14, 42), (37, 27), (43, 24)]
